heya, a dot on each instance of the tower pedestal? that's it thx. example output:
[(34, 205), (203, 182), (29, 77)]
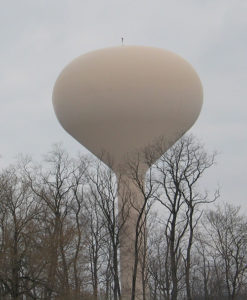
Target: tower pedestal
[(132, 241)]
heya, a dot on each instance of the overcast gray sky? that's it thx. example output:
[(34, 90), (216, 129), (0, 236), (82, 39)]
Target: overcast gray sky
[(38, 38)]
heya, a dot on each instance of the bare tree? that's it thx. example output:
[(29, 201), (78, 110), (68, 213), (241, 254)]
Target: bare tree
[(227, 236), (178, 173), (204, 267), (58, 188), (95, 238), (18, 214), (104, 190), (159, 264)]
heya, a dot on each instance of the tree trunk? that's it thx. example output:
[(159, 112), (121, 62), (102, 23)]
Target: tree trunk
[(188, 255), (116, 291), (174, 293)]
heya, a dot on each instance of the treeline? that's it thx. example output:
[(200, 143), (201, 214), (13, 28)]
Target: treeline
[(60, 229)]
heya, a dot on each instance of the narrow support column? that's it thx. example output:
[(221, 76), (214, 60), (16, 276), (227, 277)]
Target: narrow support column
[(131, 201)]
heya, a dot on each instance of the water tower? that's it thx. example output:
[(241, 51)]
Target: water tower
[(119, 101)]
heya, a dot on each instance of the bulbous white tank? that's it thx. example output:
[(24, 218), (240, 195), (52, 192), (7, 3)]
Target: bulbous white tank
[(119, 100)]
